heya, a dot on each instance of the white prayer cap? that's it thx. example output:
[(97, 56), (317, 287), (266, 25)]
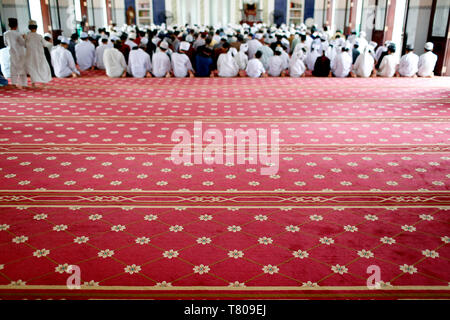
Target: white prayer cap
[(65, 40), (429, 46), (184, 45), (47, 35), (144, 41), (132, 36), (114, 38), (243, 47), (60, 37), (164, 45), (83, 35), (279, 49), (91, 32), (32, 23), (259, 36)]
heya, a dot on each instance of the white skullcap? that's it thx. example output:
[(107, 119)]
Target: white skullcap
[(47, 35), (114, 38), (429, 46), (144, 41), (184, 45), (259, 36), (60, 37), (243, 48), (65, 40), (91, 32), (83, 35), (164, 45)]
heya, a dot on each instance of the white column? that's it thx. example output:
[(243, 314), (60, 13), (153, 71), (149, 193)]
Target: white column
[(206, 9), (398, 27), (270, 9)]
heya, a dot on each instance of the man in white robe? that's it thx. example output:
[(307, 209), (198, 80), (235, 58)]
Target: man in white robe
[(364, 66), (35, 62), (85, 52), (226, 64), (277, 64), (161, 65), (254, 45), (255, 68), (341, 66), (181, 65), (409, 63), (427, 61), (5, 63), (62, 60), (114, 62), (312, 55), (99, 51), (139, 64), (16, 43), (241, 57), (297, 67), (389, 64)]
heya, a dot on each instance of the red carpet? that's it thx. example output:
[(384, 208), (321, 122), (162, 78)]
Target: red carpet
[(87, 179)]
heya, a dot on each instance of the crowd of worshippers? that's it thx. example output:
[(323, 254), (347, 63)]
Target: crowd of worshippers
[(243, 50)]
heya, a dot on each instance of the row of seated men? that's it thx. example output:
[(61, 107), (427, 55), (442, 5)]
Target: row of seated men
[(208, 54)]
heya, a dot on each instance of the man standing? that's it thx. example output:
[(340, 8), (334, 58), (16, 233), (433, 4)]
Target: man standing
[(409, 63), (35, 61), (16, 43), (427, 61), (85, 52)]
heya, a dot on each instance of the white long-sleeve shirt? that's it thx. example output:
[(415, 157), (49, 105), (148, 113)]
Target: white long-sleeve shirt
[(253, 46), (85, 52), (276, 66), (364, 64), (255, 68), (115, 63), (139, 63), (227, 65), (342, 65), (62, 62), (99, 51), (296, 65), (16, 44), (5, 62), (388, 66), (181, 65), (427, 62), (408, 65), (161, 64)]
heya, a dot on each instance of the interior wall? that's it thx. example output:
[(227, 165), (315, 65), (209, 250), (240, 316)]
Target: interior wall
[(16, 9), (118, 12), (417, 25)]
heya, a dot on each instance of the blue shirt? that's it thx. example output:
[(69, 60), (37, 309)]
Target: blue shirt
[(203, 65)]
